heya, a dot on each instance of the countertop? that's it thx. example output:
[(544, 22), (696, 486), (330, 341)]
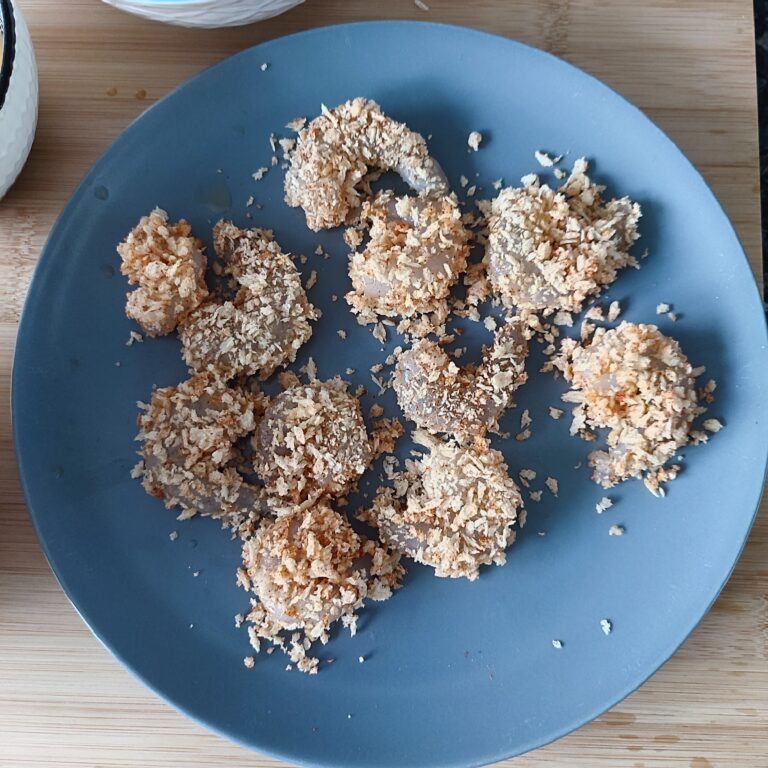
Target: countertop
[(691, 66)]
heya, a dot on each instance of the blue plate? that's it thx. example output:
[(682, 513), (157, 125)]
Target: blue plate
[(456, 673)]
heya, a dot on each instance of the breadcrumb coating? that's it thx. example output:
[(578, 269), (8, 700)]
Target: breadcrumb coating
[(266, 323), (464, 402), (550, 250), (335, 151), (168, 265), (189, 453), (453, 510), (312, 441), (416, 251), (308, 570), (637, 383)]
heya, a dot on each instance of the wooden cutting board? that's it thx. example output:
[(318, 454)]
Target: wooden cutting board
[(690, 65)]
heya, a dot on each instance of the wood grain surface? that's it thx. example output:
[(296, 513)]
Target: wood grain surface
[(690, 65)]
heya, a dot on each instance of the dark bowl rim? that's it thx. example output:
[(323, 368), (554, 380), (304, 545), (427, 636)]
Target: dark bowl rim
[(9, 47)]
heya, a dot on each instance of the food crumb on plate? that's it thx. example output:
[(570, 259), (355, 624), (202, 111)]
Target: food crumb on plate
[(557, 644), (474, 139), (614, 310), (616, 530), (555, 413), (712, 425), (606, 625), (249, 662), (662, 309), (543, 159), (361, 659), (259, 175), (602, 505), (134, 338), (342, 333), (264, 67), (551, 483), (173, 535)]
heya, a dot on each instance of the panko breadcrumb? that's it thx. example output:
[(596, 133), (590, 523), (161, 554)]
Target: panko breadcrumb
[(335, 151), (308, 570), (637, 383), (168, 265), (550, 250), (465, 402), (454, 510), (312, 441), (189, 453), (417, 249), (266, 323)]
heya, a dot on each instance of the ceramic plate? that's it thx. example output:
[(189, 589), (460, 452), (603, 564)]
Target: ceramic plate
[(456, 673)]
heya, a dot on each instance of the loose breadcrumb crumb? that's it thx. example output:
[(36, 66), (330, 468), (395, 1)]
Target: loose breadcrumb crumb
[(474, 139), (662, 309), (712, 425), (616, 530), (552, 484), (602, 505), (173, 535), (606, 626), (555, 413), (557, 644)]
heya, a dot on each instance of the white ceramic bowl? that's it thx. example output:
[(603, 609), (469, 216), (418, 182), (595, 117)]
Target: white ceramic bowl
[(205, 13), (18, 94)]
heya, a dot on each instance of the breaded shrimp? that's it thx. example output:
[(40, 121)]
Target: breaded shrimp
[(168, 265), (453, 510), (417, 249), (636, 382), (308, 570), (551, 250), (335, 152), (464, 402), (311, 442), (189, 453), (266, 323)]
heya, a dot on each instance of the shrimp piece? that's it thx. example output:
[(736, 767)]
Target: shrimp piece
[(453, 510), (311, 442), (550, 250), (168, 264), (309, 569), (265, 324), (335, 151), (464, 402), (189, 453), (418, 247), (637, 383)]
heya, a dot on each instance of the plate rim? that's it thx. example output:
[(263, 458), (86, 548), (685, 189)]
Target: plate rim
[(289, 753)]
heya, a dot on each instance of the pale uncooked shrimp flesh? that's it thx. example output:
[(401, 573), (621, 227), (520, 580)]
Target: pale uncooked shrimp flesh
[(189, 453), (266, 323), (550, 250), (335, 151), (417, 249), (465, 402), (454, 510), (312, 441), (168, 265)]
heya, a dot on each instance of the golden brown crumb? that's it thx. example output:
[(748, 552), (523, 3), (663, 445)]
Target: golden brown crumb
[(168, 265)]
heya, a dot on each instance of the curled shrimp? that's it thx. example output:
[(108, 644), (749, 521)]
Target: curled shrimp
[(265, 324), (465, 402), (189, 453), (335, 152), (454, 510), (310, 569), (550, 250), (417, 249), (168, 265), (636, 382)]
